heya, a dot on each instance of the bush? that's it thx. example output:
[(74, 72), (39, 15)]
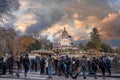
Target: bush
[(1, 54)]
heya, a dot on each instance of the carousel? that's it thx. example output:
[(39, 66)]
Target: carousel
[(41, 53)]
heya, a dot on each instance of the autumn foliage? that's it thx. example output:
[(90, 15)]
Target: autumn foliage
[(22, 43)]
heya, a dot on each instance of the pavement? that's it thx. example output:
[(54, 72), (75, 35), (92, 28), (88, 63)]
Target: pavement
[(37, 76), (58, 78)]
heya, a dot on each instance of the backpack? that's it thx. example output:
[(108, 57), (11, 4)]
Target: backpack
[(107, 63)]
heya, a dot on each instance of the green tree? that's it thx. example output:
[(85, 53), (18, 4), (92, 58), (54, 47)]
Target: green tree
[(106, 48), (34, 46), (82, 46), (1, 54), (117, 50), (95, 41)]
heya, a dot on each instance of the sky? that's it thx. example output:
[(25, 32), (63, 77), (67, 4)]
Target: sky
[(49, 17)]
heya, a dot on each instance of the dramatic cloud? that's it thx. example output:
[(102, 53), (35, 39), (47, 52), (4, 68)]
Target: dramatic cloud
[(115, 5), (49, 17), (7, 7), (110, 26), (46, 14), (77, 33), (25, 21)]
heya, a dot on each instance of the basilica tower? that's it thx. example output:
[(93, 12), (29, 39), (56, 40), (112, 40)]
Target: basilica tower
[(64, 34), (65, 39)]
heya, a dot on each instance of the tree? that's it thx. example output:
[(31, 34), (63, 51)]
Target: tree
[(46, 43), (1, 54), (34, 46), (106, 48), (95, 41), (21, 44), (82, 46), (117, 50), (7, 39)]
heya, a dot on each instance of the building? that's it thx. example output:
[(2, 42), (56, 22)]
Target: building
[(65, 43), (65, 39)]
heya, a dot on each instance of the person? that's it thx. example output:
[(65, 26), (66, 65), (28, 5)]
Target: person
[(56, 65), (17, 60), (67, 66), (108, 65), (61, 68), (94, 67), (21, 59), (102, 66), (36, 63), (10, 63), (32, 61), (73, 65), (84, 66), (1, 64), (42, 65), (78, 65), (49, 66), (26, 64), (5, 63), (89, 62), (46, 66)]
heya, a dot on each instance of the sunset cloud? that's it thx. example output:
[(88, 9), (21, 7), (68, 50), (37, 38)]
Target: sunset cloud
[(110, 26), (25, 21), (78, 16), (76, 32), (79, 24), (75, 15)]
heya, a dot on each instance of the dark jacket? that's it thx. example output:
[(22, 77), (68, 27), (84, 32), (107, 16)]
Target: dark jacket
[(94, 65), (26, 62), (107, 63)]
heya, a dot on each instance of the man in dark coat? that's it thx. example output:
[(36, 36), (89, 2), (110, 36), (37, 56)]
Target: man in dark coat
[(26, 64), (94, 67), (5, 63), (108, 65), (84, 66), (102, 66), (42, 65), (10, 63), (67, 67)]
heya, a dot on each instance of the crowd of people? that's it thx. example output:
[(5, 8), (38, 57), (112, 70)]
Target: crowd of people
[(64, 65)]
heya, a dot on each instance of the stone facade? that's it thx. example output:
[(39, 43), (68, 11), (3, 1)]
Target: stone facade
[(65, 44), (65, 40)]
